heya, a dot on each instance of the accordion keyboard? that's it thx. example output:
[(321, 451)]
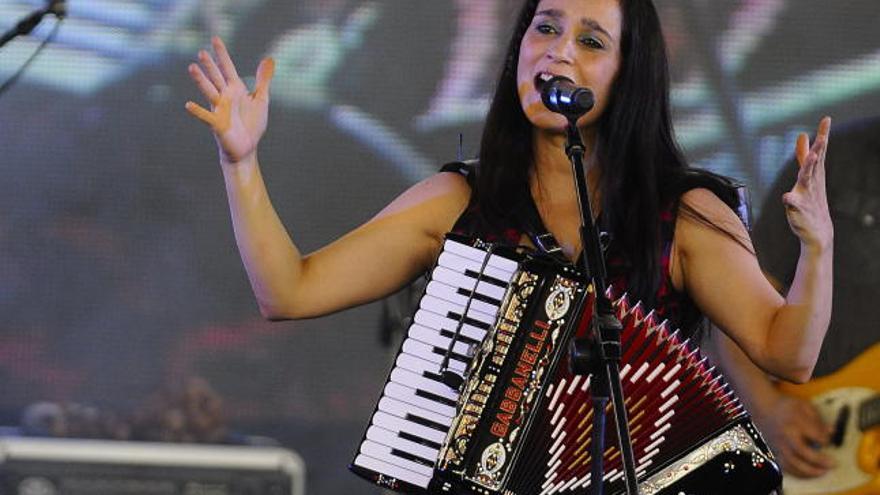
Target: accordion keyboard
[(417, 407)]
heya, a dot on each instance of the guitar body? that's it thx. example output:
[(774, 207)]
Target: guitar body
[(848, 400)]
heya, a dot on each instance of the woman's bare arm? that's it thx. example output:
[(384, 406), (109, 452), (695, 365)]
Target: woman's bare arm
[(782, 335), (366, 264)]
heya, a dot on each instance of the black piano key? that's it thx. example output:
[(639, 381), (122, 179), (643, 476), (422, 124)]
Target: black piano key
[(436, 398), (486, 278), (479, 297), (468, 321), (426, 422), (461, 338), (424, 441), (452, 355), (410, 457)]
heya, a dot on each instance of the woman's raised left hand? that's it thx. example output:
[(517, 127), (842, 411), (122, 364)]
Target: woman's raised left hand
[(806, 204)]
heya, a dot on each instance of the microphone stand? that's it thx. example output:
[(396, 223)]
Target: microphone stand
[(599, 355), (27, 24)]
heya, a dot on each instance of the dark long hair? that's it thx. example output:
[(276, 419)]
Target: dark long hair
[(639, 159)]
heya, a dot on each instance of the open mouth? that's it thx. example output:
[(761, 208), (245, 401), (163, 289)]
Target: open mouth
[(541, 79)]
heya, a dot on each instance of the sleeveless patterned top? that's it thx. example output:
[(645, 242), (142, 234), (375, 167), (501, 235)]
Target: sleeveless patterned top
[(671, 304)]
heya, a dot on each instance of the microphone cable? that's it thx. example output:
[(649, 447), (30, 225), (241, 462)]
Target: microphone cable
[(12, 79)]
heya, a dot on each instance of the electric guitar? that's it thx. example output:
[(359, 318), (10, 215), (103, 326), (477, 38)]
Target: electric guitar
[(848, 399)]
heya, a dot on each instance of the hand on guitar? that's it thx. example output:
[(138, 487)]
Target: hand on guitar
[(797, 432)]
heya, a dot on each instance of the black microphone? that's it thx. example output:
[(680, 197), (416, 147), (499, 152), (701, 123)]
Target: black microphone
[(57, 8), (561, 95)]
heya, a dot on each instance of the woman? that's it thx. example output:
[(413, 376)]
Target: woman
[(700, 258)]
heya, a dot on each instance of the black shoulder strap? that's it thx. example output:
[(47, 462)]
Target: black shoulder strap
[(527, 213), (534, 227), (467, 169)]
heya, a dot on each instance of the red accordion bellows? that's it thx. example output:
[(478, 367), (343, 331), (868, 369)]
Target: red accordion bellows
[(674, 401)]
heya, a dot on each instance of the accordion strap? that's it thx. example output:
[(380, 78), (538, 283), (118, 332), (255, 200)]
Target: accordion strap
[(527, 214), (534, 227)]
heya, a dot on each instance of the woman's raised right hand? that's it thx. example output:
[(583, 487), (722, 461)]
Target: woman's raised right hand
[(237, 117)]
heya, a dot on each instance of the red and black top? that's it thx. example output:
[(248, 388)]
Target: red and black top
[(670, 304)]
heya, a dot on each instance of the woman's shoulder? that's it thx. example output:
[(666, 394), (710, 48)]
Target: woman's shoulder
[(704, 199), (715, 196), (728, 190), (702, 212), (439, 198), (454, 185)]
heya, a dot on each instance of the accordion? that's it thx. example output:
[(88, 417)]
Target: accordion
[(519, 422)]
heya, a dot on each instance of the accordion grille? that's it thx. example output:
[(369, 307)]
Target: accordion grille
[(674, 401)]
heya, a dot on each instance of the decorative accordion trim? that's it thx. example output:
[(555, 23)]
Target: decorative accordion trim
[(739, 439)]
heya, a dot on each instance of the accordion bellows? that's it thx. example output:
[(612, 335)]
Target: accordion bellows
[(520, 423)]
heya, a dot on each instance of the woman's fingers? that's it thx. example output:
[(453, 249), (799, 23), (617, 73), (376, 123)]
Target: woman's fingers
[(805, 159), (805, 435), (802, 148), (808, 451), (799, 466), (806, 204), (820, 147), (265, 71), (811, 157), (200, 113), (227, 68), (205, 86), (211, 70), (804, 151), (824, 132)]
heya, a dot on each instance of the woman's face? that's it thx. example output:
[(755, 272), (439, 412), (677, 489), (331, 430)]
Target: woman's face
[(578, 39)]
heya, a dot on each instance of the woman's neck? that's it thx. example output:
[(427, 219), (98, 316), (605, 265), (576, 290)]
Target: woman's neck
[(551, 180)]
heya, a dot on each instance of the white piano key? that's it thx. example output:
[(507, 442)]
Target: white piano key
[(390, 439), (392, 471), (402, 410), (380, 451), (443, 308), (395, 424), (416, 364), (460, 264), (408, 395), (433, 337), (456, 279), (433, 320), (448, 293), (417, 381), (478, 255), (426, 352)]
